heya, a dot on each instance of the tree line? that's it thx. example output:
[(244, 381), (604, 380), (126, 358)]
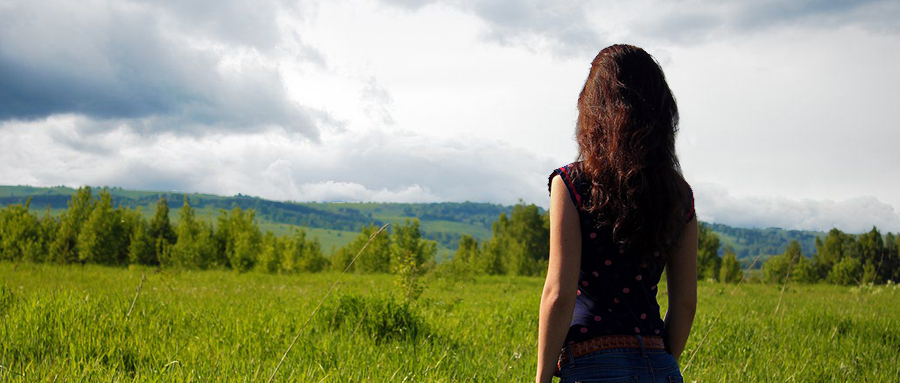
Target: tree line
[(840, 258), (92, 230), (276, 211), (520, 246), (343, 216)]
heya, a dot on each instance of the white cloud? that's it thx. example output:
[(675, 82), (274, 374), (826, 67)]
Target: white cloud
[(808, 117), (331, 191), (856, 215), (375, 165), (784, 105)]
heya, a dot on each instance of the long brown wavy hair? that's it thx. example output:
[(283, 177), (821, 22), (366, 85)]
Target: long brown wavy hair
[(627, 121)]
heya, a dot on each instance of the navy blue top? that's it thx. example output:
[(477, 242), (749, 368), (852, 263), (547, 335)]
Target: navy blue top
[(616, 288)]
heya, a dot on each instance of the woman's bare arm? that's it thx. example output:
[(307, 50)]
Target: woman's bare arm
[(558, 298), (681, 276)]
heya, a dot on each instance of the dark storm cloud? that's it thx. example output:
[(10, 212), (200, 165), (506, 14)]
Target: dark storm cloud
[(820, 13), (702, 21), (166, 65), (517, 22), (250, 23), (562, 22), (570, 28)]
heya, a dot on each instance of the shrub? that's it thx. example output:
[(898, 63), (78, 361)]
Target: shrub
[(381, 317)]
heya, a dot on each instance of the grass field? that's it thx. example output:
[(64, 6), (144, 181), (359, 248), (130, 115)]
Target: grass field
[(62, 323)]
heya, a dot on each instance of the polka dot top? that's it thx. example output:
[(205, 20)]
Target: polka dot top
[(616, 289)]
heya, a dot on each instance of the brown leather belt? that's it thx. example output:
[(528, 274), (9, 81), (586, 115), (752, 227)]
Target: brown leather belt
[(608, 342)]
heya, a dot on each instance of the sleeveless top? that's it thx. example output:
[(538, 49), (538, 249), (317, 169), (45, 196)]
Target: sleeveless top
[(616, 288)]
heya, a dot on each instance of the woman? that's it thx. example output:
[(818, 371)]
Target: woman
[(618, 217)]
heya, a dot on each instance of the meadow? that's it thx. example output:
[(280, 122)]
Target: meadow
[(97, 323)]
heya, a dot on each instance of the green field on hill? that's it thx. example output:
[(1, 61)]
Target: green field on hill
[(337, 223), (60, 323)]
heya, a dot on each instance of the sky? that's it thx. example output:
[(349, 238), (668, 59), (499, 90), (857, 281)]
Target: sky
[(787, 108)]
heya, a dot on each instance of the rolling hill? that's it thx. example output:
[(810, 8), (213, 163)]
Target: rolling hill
[(337, 223)]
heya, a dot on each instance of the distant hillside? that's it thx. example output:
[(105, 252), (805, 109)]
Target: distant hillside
[(338, 223), (334, 223), (748, 243)]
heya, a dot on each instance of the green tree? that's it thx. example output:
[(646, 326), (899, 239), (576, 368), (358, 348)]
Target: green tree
[(103, 238), (846, 272), (851, 247), (302, 254), (520, 244), (871, 245), (731, 268), (494, 250), (271, 252), (831, 250), (222, 237), (377, 257), (896, 259), (778, 268), (342, 257), (708, 260), (818, 259), (805, 271), (383, 248), (141, 249), (409, 253), (195, 245), (313, 259), (21, 236), (465, 262), (407, 242), (532, 230), (63, 249), (871, 255), (242, 238), (49, 228), (160, 231), (775, 269), (891, 265), (467, 253)]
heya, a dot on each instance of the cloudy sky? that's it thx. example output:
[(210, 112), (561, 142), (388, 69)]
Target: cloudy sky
[(788, 108)]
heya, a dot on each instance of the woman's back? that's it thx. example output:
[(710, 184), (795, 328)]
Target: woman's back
[(617, 287)]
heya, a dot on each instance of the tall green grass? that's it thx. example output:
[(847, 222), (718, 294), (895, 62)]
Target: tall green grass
[(69, 323)]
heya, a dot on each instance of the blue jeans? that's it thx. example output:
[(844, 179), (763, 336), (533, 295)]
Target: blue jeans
[(622, 365)]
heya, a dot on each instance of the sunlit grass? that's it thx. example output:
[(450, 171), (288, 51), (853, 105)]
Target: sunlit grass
[(68, 322)]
